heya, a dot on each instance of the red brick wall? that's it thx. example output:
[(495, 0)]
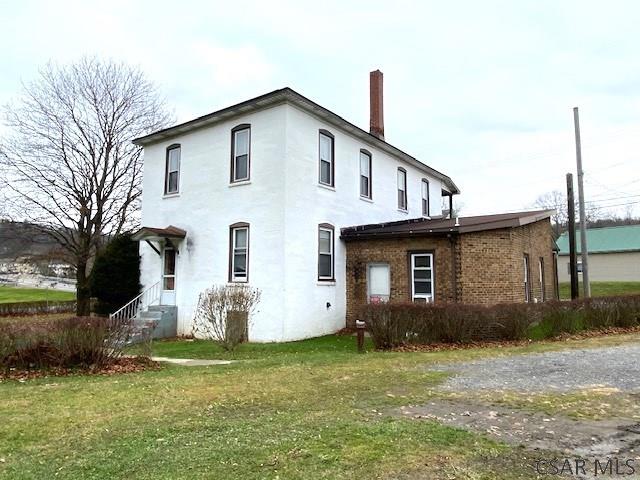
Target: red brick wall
[(480, 267)]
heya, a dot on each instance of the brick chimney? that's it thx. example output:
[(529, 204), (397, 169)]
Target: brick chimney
[(376, 119)]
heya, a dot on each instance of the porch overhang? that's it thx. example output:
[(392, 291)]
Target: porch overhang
[(170, 235)]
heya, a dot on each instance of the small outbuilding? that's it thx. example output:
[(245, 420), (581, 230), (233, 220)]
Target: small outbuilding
[(488, 259), (614, 254)]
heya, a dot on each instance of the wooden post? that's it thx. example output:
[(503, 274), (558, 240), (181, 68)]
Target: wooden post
[(360, 326), (573, 264)]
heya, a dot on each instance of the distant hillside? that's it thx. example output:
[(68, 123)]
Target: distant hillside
[(21, 240)]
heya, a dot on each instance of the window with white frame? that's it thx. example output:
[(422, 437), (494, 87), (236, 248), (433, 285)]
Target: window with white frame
[(172, 170), (325, 252), (378, 282), (425, 197), (239, 253), (240, 153), (402, 189), (365, 174), (422, 277), (326, 158)]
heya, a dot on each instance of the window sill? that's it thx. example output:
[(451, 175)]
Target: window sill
[(402, 210), (366, 199), (239, 183), (238, 282), (328, 187), (326, 283), (171, 195)]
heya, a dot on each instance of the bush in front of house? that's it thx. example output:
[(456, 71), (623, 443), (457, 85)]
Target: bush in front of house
[(395, 324), (115, 278), (75, 342), (224, 313)]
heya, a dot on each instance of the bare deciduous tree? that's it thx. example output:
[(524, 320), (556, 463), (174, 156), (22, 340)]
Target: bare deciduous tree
[(68, 164), (224, 313), (556, 200)]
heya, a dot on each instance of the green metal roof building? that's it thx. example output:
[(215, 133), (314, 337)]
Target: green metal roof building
[(614, 253)]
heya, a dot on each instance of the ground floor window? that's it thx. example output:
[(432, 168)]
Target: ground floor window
[(422, 277), (239, 253), (378, 282), (325, 252)]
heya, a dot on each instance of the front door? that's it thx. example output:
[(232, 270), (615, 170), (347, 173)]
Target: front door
[(168, 276)]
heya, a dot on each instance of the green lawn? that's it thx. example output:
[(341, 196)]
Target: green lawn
[(301, 410), (18, 294), (601, 289)]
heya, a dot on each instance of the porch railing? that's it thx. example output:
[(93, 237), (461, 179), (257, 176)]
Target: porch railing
[(132, 309)]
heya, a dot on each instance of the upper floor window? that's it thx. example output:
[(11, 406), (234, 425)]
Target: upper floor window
[(240, 153), (402, 188), (239, 252), (365, 174), (425, 197), (325, 252), (326, 158), (172, 170)]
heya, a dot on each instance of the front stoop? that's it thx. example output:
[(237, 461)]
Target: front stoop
[(165, 319)]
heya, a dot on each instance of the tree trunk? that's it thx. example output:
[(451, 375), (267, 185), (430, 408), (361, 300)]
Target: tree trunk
[(83, 291)]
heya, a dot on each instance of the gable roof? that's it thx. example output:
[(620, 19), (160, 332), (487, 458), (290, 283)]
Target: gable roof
[(625, 238), (287, 95), (426, 227)]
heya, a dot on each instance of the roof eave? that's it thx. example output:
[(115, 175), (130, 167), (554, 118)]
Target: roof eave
[(287, 95)]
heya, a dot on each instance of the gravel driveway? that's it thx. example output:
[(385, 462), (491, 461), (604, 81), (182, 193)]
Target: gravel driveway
[(609, 367)]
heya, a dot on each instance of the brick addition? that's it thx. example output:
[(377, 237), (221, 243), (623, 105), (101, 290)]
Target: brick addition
[(484, 266)]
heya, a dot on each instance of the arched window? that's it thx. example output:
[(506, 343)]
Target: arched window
[(172, 170), (241, 153), (425, 197), (326, 161), (402, 188), (365, 174), (239, 252), (326, 252)]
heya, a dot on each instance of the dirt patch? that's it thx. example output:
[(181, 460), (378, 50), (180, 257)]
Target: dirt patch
[(536, 431), (122, 365)]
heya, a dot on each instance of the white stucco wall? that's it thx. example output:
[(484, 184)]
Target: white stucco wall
[(606, 267), (283, 203)]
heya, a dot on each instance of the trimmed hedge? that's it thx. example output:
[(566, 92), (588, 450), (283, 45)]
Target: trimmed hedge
[(35, 308), (395, 324), (66, 343)]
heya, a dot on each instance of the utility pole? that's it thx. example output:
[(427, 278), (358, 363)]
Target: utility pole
[(586, 286), (573, 261)]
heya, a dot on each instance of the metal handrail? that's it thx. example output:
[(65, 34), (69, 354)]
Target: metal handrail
[(133, 308)]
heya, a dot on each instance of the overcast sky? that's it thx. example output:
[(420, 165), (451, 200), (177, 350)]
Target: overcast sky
[(482, 91)]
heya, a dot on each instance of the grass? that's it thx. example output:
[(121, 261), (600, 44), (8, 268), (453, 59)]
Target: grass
[(310, 409), (19, 294), (602, 289)]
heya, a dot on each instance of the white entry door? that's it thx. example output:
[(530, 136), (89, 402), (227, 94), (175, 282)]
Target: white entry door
[(168, 276)]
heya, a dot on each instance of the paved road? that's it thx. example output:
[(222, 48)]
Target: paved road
[(608, 367)]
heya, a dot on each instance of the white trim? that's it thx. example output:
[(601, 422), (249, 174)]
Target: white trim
[(239, 183), (328, 187), (428, 297), (378, 264)]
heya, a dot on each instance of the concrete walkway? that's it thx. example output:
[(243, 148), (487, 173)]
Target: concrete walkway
[(189, 362)]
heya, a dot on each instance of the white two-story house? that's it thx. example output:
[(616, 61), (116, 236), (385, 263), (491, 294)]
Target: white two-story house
[(258, 192)]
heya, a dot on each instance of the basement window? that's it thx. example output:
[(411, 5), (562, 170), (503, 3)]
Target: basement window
[(422, 277)]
